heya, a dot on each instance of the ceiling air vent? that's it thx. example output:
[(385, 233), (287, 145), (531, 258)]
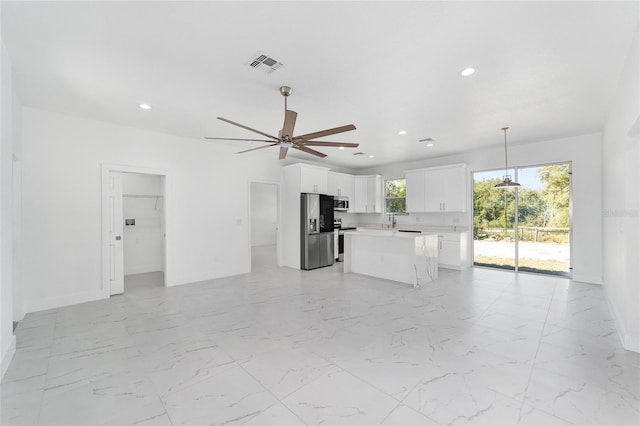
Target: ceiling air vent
[(358, 153), (264, 63)]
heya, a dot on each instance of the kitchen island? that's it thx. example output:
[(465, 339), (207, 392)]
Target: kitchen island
[(407, 257)]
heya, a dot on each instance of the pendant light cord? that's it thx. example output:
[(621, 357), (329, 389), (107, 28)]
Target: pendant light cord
[(506, 164)]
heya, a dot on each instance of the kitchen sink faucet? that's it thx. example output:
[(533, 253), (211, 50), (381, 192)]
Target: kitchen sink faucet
[(392, 219)]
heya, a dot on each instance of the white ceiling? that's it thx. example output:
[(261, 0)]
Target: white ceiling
[(546, 69)]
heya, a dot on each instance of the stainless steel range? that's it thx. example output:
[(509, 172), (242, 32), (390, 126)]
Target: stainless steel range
[(338, 239)]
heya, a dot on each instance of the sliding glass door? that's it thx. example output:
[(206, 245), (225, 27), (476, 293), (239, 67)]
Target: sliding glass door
[(526, 229), (493, 222)]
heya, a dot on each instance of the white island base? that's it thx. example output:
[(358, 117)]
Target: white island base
[(393, 255)]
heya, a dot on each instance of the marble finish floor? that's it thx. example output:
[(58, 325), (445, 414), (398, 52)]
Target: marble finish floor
[(285, 347)]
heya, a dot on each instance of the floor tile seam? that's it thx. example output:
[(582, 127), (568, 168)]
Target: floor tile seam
[(536, 407), (348, 372), (278, 400), (389, 413), (153, 385), (533, 361), (475, 321), (55, 324), (402, 404), (375, 386), (399, 402), (588, 382), (574, 354)]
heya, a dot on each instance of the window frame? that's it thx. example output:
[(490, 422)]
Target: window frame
[(384, 188)]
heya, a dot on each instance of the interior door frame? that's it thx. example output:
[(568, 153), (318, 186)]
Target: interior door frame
[(516, 223), (278, 218), (106, 170)]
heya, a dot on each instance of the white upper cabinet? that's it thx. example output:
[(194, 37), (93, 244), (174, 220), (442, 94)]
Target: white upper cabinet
[(359, 204), (438, 189), (415, 191), (374, 194), (341, 184), (367, 197), (313, 179)]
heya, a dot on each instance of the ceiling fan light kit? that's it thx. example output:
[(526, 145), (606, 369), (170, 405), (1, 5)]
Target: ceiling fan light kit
[(506, 179), (286, 139)]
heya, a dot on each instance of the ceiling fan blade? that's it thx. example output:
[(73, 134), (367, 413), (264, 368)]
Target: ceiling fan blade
[(327, 132), (234, 139), (323, 143), (309, 151), (283, 152), (247, 128), (289, 123), (253, 149)]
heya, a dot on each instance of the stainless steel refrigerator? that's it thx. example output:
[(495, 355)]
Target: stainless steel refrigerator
[(316, 234)]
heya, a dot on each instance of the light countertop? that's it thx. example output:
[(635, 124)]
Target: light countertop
[(423, 229)]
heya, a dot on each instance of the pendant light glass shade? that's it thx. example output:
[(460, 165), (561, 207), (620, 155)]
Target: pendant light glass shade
[(506, 179)]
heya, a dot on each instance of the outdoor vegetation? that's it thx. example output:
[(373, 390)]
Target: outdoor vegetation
[(395, 192), (543, 223), (543, 214)]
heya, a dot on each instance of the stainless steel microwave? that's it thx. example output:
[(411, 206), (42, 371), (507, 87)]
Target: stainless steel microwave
[(340, 204)]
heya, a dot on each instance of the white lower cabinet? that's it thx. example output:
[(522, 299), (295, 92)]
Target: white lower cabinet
[(452, 250)]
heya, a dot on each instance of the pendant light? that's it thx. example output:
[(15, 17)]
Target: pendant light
[(506, 179)]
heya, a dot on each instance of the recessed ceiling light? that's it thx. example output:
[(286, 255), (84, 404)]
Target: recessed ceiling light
[(342, 147), (372, 156), (429, 144), (145, 106), (467, 72), (402, 132)]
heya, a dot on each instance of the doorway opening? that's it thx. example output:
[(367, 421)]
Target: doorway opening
[(133, 229), (264, 198), (143, 234), (527, 229)]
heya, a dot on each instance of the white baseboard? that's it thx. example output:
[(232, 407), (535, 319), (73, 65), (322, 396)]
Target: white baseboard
[(8, 356), (629, 342), (62, 300), (142, 269), (587, 279)]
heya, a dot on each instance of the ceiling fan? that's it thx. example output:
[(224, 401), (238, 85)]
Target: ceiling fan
[(286, 139)]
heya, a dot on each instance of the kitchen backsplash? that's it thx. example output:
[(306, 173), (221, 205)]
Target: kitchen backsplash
[(413, 219)]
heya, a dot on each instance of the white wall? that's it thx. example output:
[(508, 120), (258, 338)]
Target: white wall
[(264, 213), (583, 151), (7, 339), (621, 202), (143, 243), (206, 203)]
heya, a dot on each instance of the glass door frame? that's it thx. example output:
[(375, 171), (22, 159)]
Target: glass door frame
[(516, 218)]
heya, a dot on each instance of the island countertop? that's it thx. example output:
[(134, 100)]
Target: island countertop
[(395, 233)]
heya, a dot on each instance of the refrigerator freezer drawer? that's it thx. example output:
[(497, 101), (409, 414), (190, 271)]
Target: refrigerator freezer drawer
[(318, 251)]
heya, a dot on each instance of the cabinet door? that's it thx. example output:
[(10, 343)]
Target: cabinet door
[(415, 191), (342, 185), (432, 191), (374, 194), (360, 195), (332, 183), (449, 253), (349, 188), (313, 179), (454, 189)]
